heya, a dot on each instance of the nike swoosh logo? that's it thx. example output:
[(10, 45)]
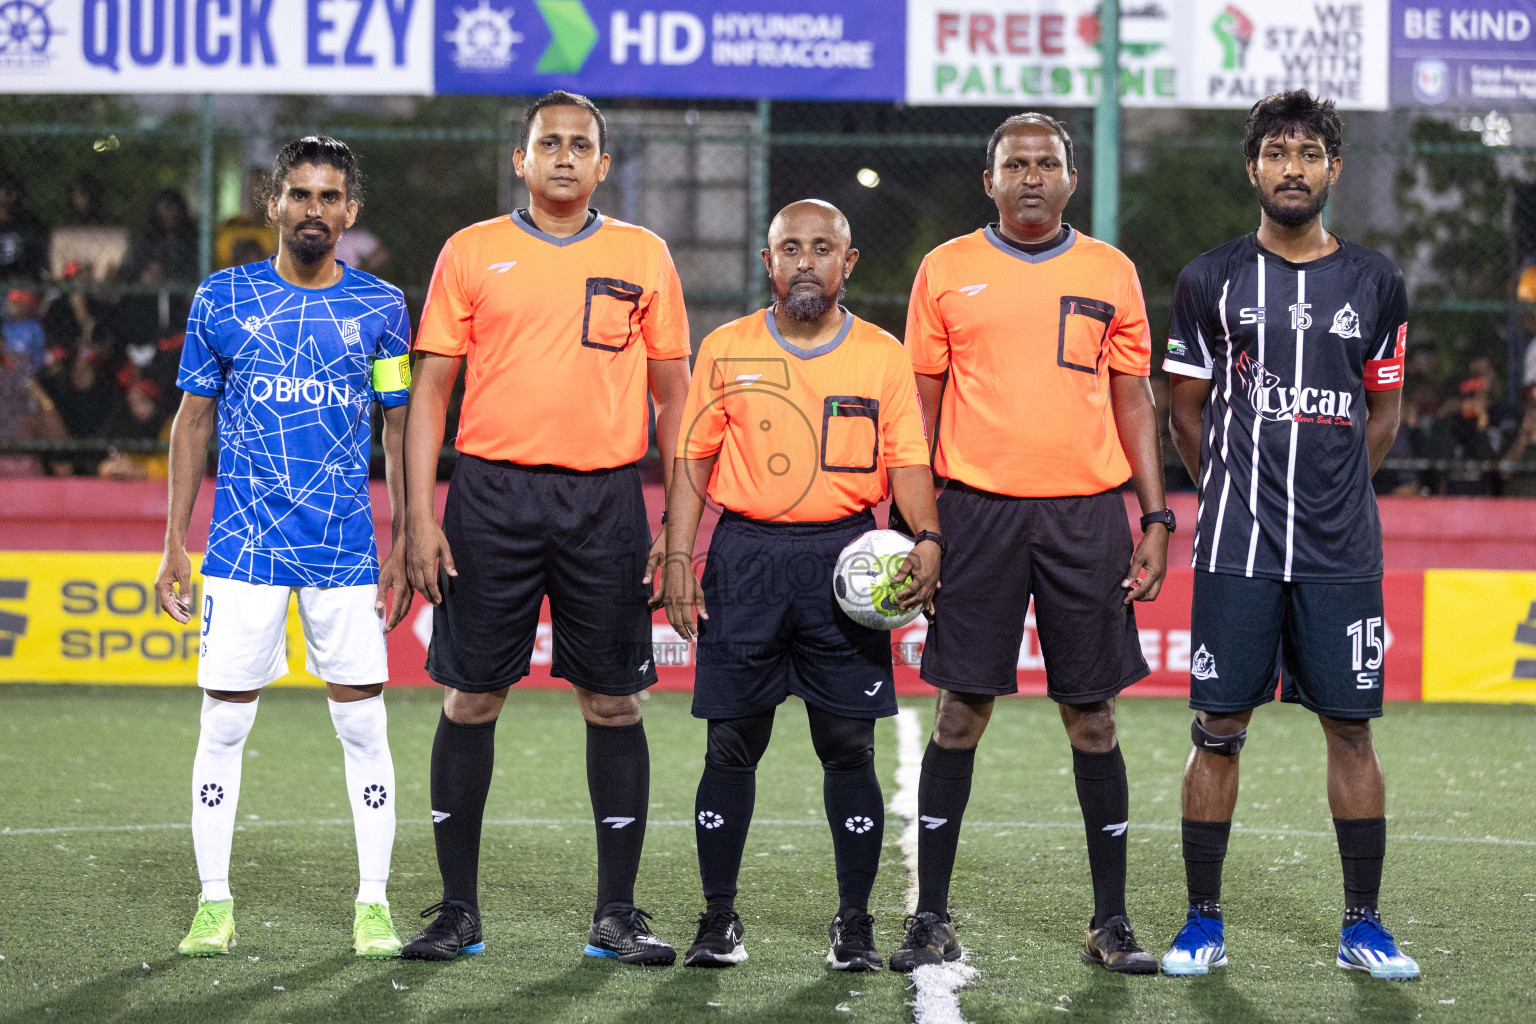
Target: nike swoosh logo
[(440, 816), (932, 822), (617, 822), (1208, 743)]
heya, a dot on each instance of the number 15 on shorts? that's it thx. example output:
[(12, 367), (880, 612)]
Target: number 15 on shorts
[(1366, 633)]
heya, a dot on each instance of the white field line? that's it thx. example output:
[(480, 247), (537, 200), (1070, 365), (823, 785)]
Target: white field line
[(173, 826), (934, 987)]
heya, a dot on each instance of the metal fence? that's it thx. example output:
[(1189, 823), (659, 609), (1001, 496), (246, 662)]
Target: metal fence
[(1451, 198)]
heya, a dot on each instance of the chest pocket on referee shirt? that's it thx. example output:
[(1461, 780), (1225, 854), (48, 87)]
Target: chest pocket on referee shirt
[(612, 317), (850, 434), (1084, 326)]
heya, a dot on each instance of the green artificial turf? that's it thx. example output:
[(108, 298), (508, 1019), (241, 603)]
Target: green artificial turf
[(90, 918)]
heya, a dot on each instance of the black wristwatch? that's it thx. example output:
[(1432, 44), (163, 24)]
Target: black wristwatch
[(1165, 517), (937, 538)]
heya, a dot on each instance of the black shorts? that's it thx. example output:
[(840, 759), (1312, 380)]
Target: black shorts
[(519, 533), (1326, 641), (775, 628), (1070, 554)]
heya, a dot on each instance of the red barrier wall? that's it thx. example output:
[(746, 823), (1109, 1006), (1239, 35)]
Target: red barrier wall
[(94, 515)]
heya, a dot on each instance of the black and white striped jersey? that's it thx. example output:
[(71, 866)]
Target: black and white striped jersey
[(1290, 350)]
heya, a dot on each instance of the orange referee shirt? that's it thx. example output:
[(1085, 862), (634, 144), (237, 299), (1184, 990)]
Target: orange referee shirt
[(803, 435), (1028, 341), (557, 332)]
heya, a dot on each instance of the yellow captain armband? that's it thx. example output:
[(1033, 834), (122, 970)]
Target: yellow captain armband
[(392, 374)]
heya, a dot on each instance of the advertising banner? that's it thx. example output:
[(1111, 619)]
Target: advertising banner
[(1479, 636), (1200, 53), (1464, 53), (92, 617), (224, 46), (1244, 50), (1022, 53), (725, 49)]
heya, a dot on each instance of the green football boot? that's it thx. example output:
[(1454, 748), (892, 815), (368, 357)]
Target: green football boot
[(212, 929), (373, 933)]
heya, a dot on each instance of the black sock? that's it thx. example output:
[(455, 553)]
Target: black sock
[(1104, 795), (619, 783), (722, 813), (942, 793), (1205, 849), (856, 812), (462, 759), (1362, 847)]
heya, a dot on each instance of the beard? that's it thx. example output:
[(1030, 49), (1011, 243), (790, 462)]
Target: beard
[(1292, 216), (808, 306), (310, 251)]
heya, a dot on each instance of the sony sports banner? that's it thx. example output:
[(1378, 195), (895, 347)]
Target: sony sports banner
[(1464, 53), (1197, 53), (223, 46), (724, 49), (1480, 635)]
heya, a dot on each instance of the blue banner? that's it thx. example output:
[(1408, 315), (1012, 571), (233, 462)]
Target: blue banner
[(1464, 53), (723, 49)]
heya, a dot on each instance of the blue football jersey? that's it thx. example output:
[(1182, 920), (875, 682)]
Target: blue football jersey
[(294, 372)]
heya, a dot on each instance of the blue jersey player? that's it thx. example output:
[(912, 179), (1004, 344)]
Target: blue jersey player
[(1285, 350), (289, 355)]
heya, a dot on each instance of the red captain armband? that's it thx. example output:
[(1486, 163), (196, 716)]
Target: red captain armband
[(1387, 374)]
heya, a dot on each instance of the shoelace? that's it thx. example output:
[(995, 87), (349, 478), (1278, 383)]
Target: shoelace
[(446, 907), (376, 915), (715, 921), (1125, 938), (1380, 937), (1209, 935), (204, 917), (634, 918), (919, 928), (858, 930)]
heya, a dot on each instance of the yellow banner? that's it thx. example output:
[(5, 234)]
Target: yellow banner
[(1480, 636), (93, 617)]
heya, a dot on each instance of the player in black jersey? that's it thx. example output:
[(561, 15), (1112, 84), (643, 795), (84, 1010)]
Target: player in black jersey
[(1285, 352)]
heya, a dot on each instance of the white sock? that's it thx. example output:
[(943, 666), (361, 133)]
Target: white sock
[(362, 727), (216, 789)]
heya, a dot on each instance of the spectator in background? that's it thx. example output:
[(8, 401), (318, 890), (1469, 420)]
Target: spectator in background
[(361, 249), (250, 225), (138, 417), (83, 389), (1522, 447), (247, 250), (23, 238), (1412, 442), (166, 253), (26, 414), (85, 239), (22, 330), (1525, 321), (1465, 430), (1423, 365)]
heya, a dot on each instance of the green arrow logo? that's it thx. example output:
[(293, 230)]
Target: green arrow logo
[(571, 37)]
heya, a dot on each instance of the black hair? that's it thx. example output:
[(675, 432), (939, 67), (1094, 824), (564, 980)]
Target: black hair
[(321, 151), (561, 98), (1027, 120), (1293, 114)]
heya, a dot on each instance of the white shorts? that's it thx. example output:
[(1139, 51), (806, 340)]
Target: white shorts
[(244, 641)]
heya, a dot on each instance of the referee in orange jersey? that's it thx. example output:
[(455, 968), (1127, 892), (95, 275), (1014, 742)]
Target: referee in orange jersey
[(565, 318), (1035, 337)]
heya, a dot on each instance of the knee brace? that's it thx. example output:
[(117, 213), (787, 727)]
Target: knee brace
[(737, 744), (1226, 746), (842, 744)]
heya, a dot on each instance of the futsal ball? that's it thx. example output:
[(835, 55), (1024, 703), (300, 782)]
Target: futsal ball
[(862, 580)]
